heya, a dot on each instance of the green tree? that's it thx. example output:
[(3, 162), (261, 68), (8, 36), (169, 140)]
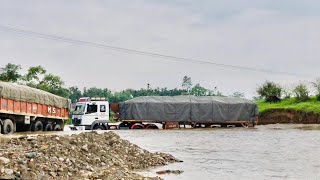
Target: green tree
[(238, 94), (121, 96), (75, 94), (187, 83), (214, 92), (270, 91), (10, 73), (301, 92), (97, 92), (53, 84), (32, 78), (198, 90), (63, 92)]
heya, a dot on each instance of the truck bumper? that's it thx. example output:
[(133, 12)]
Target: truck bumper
[(77, 128)]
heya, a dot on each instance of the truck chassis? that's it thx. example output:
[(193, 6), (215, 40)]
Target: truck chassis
[(136, 124)]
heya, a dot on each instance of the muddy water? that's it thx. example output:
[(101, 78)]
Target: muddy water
[(268, 152)]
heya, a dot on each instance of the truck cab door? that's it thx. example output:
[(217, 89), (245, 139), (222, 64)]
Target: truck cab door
[(91, 114)]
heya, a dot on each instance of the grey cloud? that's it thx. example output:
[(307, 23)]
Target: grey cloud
[(256, 35)]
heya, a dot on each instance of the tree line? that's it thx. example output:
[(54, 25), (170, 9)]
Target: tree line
[(38, 77), (273, 92)]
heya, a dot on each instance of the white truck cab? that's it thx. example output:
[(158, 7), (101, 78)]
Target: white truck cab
[(90, 114)]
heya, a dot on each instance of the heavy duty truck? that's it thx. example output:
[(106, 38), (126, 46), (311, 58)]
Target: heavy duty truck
[(23, 108), (154, 112)]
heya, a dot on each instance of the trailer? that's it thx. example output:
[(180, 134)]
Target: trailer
[(23, 108), (184, 111)]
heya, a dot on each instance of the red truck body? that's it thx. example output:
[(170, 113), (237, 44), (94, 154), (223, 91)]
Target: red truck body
[(23, 108), (32, 109)]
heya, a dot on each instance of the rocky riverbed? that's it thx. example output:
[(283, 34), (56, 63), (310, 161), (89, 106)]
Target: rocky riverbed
[(83, 156)]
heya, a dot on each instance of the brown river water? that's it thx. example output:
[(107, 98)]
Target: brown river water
[(265, 152)]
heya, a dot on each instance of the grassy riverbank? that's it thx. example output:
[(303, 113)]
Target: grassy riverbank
[(311, 106)]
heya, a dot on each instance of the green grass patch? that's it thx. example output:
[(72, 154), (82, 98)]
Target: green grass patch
[(312, 105)]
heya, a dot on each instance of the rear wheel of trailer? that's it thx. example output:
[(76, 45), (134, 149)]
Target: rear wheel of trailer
[(37, 126), (57, 127), (47, 127), (7, 127)]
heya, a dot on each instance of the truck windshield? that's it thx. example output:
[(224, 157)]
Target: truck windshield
[(79, 109)]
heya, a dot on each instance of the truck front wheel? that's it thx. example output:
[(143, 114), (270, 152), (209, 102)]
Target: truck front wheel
[(8, 127), (98, 127)]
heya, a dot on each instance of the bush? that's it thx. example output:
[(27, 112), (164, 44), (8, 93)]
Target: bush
[(270, 92), (68, 122), (316, 85), (301, 92)]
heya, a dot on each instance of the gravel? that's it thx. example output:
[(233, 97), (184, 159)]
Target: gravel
[(83, 156), (4, 160)]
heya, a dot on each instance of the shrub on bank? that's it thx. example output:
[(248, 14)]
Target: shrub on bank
[(301, 92), (316, 85), (270, 91)]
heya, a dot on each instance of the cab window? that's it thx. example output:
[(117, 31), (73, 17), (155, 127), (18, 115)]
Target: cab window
[(92, 108)]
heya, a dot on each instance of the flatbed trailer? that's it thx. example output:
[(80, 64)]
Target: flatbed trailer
[(184, 111)]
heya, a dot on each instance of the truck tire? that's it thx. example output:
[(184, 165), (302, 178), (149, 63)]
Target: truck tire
[(137, 126), (98, 127), (124, 125), (151, 126), (57, 127), (224, 125), (37, 126), (48, 127), (7, 127)]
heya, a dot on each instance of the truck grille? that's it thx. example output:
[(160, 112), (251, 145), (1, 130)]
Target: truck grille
[(76, 122)]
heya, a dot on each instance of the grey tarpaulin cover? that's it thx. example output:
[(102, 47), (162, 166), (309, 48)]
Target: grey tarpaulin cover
[(204, 109), (27, 94)]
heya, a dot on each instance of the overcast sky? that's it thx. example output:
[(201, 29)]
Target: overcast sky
[(280, 35)]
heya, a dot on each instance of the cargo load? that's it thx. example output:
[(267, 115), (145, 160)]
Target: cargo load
[(198, 109), (27, 94)]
